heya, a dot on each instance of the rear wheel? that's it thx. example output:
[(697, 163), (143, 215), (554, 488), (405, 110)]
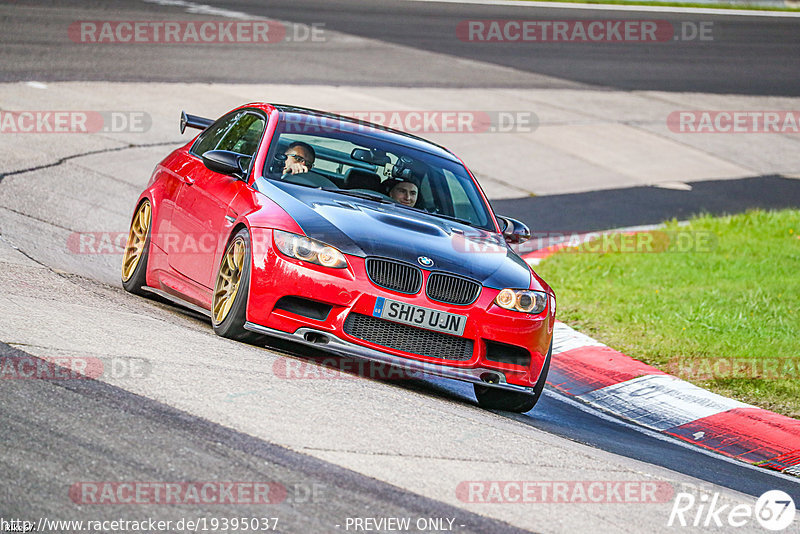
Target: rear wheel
[(231, 289), (513, 401), (134, 262)]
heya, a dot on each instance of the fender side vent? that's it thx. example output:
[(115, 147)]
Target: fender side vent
[(304, 307), (502, 353)]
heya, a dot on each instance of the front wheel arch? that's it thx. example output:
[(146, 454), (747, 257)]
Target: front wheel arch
[(493, 398), (232, 287), (134, 277)]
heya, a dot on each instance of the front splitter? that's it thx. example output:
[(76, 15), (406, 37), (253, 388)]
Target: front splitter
[(338, 345)]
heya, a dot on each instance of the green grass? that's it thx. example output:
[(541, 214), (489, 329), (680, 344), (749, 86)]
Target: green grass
[(677, 4), (716, 303)]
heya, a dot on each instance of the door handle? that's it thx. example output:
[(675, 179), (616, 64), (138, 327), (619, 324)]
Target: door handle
[(188, 180), (230, 219)]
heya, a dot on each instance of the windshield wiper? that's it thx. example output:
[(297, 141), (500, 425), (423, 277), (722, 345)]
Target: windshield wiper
[(453, 218), (442, 215), (359, 194)]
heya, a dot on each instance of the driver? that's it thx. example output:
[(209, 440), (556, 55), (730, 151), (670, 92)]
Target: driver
[(300, 158), (403, 192)]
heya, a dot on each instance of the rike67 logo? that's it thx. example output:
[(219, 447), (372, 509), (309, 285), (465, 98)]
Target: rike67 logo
[(774, 511)]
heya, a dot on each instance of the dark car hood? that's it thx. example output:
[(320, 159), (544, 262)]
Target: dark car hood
[(366, 228)]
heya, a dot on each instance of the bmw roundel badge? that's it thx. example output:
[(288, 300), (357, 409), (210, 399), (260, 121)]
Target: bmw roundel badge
[(425, 261)]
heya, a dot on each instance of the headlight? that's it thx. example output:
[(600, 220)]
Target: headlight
[(310, 250), (522, 300)]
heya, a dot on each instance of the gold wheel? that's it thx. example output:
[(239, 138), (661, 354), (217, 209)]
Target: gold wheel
[(228, 280), (137, 238)]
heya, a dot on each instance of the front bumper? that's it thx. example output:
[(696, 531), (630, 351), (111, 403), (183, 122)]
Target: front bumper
[(350, 290)]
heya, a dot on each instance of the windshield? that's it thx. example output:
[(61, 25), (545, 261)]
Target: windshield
[(352, 160)]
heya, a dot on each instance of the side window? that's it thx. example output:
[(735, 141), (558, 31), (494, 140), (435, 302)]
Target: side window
[(211, 137), (244, 135)]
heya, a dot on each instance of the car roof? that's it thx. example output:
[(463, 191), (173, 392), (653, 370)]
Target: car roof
[(297, 113)]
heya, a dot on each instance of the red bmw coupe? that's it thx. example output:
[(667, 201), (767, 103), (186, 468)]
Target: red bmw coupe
[(368, 242)]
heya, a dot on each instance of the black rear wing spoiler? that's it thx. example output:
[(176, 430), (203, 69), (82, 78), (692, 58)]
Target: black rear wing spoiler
[(193, 121)]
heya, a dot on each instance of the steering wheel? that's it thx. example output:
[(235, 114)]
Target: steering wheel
[(286, 175), (310, 178)]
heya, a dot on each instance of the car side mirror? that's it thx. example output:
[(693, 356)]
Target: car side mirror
[(226, 162), (514, 231)]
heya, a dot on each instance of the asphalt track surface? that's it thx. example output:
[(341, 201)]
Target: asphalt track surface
[(752, 55), (634, 206), (167, 445), (104, 432)]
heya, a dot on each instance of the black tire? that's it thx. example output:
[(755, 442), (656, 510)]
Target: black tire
[(492, 398), (232, 325), (138, 278)]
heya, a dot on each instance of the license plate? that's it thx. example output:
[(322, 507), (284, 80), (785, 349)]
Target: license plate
[(409, 314)]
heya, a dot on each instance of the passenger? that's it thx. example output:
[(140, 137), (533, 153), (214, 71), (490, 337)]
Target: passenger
[(300, 158), (403, 192)]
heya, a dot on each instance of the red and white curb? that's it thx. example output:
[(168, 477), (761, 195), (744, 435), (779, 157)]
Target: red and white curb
[(608, 380)]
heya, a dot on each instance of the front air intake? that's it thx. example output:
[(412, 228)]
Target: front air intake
[(408, 338), (394, 275), (452, 289)]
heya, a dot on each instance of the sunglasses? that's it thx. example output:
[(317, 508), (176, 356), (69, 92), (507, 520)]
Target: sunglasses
[(300, 159)]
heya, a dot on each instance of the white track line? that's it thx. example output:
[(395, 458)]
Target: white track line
[(619, 7), (591, 410)]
